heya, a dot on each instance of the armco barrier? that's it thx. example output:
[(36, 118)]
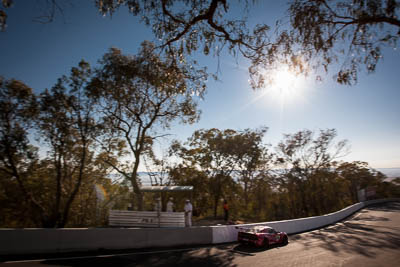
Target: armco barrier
[(228, 233), (23, 241)]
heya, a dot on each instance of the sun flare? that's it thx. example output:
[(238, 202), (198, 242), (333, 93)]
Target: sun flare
[(284, 85)]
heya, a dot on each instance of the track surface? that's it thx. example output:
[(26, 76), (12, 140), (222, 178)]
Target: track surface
[(371, 237)]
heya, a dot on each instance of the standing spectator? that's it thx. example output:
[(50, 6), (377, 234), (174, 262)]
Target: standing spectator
[(188, 213), (226, 210), (170, 205)]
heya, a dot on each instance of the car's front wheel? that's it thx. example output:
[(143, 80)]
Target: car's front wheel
[(285, 240)]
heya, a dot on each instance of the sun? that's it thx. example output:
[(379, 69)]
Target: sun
[(283, 89), (284, 85), (285, 80)]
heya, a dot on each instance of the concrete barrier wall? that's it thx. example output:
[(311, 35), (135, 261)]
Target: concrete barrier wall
[(23, 241)]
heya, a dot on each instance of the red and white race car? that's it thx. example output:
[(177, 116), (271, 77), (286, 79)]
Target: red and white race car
[(261, 236)]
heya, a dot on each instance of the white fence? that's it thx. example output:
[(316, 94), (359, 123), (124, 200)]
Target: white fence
[(126, 218)]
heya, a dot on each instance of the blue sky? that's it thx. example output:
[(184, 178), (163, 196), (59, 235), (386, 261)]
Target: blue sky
[(367, 114)]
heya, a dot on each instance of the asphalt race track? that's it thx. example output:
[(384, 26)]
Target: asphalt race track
[(370, 237)]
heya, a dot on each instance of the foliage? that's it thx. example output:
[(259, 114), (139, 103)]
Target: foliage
[(302, 178), (187, 26), (18, 158), (306, 162), (219, 154), (61, 118), (323, 34), (351, 33), (3, 15), (66, 126), (302, 153)]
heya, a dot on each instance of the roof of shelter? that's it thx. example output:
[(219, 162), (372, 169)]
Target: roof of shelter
[(161, 188)]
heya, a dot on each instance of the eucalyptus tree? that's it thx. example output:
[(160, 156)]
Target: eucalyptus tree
[(192, 25), (62, 122), (358, 175), (343, 36), (18, 158), (138, 98), (66, 125), (254, 159), (303, 158), (185, 174), (220, 154)]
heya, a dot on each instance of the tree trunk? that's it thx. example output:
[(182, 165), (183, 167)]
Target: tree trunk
[(217, 194), (136, 189)]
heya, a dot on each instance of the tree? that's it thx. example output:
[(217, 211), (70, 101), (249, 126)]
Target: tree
[(182, 26), (351, 33), (219, 154), (303, 159), (49, 9), (18, 158), (304, 154), (67, 126), (181, 174), (254, 160), (196, 24), (138, 96), (3, 15), (358, 175), (62, 121), (321, 32)]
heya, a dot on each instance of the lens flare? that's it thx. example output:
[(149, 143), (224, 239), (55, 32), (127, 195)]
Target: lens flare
[(284, 85)]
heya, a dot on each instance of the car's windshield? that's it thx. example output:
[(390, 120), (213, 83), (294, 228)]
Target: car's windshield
[(257, 230)]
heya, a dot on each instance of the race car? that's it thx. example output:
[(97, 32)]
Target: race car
[(261, 236)]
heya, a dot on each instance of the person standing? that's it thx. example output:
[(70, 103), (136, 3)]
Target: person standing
[(226, 211), (188, 213), (170, 205)]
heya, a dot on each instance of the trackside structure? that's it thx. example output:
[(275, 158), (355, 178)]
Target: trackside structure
[(125, 218)]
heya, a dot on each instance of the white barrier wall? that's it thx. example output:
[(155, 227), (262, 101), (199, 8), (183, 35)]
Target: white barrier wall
[(228, 233)]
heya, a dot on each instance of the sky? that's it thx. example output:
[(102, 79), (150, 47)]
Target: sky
[(367, 114)]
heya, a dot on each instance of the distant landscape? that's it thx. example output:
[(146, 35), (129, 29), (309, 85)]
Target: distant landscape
[(390, 172)]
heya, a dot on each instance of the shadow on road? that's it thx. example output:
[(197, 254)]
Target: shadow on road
[(389, 207), (203, 257), (248, 250), (356, 235)]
